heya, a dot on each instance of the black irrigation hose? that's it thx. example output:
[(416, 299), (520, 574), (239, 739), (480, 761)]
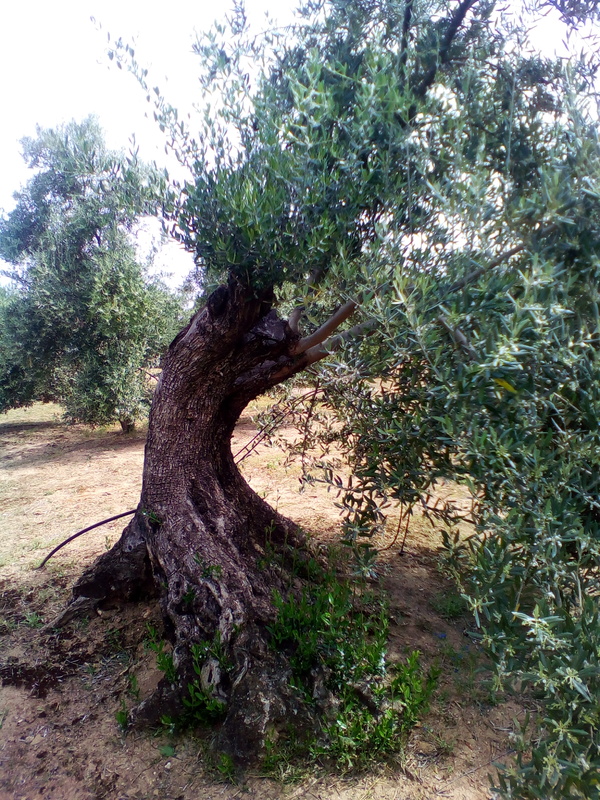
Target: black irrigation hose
[(85, 530)]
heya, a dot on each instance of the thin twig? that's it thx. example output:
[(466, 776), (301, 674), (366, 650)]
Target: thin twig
[(500, 259), (307, 420), (149, 374), (460, 339), (251, 446), (404, 517), (405, 532)]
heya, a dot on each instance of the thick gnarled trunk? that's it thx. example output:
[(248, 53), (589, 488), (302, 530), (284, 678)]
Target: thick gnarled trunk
[(201, 536)]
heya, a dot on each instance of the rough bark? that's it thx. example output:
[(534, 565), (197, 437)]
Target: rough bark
[(201, 539)]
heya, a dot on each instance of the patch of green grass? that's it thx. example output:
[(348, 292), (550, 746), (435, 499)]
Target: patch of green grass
[(164, 660), (202, 707), (226, 767), (115, 639), (47, 594), (449, 605), (57, 570), (471, 674), (133, 688), (285, 758), (122, 716), (7, 624), (33, 620), (331, 630), (36, 413), (325, 626), (365, 733), (208, 570), (443, 746)]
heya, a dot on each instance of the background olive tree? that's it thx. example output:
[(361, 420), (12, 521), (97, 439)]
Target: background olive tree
[(83, 320)]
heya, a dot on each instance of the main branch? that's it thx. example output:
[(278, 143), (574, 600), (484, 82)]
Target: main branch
[(443, 55), (328, 327)]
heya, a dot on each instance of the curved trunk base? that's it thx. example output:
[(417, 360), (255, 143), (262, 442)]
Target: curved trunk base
[(216, 610), (202, 540)]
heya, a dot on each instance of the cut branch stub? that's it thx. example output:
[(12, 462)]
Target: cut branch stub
[(328, 327)]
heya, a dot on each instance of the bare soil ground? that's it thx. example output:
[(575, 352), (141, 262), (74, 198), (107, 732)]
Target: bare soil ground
[(59, 737)]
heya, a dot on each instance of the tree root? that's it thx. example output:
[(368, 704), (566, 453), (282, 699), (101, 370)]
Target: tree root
[(262, 702)]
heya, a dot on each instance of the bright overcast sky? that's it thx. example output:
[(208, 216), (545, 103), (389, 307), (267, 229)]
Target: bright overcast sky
[(55, 69)]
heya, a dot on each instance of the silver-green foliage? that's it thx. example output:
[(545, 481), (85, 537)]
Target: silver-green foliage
[(477, 255), (488, 357)]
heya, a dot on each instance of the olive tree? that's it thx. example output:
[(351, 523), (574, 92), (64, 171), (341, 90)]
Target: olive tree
[(374, 156), (83, 319)]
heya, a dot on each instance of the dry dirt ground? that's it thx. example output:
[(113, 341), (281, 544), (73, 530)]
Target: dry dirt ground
[(60, 693)]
